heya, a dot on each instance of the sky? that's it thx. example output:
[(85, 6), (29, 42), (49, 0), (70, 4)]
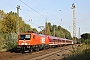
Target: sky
[(54, 11)]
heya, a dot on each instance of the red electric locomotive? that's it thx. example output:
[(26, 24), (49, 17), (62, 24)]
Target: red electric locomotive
[(32, 41)]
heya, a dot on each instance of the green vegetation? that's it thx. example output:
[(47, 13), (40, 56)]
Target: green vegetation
[(82, 53), (47, 29), (85, 38)]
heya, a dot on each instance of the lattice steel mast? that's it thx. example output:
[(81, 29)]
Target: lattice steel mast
[(74, 23)]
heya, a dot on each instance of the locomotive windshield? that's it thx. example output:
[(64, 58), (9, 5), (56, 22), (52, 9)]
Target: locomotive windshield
[(24, 37)]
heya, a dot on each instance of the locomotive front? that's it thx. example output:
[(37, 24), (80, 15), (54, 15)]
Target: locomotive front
[(24, 39)]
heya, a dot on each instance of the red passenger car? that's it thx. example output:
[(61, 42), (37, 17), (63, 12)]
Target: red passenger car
[(56, 41)]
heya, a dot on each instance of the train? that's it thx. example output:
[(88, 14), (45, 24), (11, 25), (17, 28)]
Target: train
[(34, 41)]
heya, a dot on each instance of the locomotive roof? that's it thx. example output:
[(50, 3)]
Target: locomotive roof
[(41, 34), (53, 37), (33, 33)]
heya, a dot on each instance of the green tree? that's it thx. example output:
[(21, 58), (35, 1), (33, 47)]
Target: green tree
[(85, 38), (27, 26), (34, 29), (2, 16), (23, 26), (9, 23), (47, 29)]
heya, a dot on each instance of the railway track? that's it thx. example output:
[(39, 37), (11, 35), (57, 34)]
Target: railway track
[(40, 55), (51, 53)]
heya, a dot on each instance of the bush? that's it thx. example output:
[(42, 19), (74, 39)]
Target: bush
[(83, 55), (8, 41), (11, 41)]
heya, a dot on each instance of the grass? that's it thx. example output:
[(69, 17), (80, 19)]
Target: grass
[(82, 53)]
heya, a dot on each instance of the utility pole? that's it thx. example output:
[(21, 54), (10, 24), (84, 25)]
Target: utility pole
[(17, 22), (74, 26), (54, 31)]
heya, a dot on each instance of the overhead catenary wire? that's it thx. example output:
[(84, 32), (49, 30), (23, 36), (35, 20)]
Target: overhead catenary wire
[(30, 20), (32, 9), (36, 11), (21, 9), (24, 11), (50, 13)]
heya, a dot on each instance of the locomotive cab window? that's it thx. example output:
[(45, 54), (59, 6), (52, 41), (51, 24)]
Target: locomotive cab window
[(24, 37)]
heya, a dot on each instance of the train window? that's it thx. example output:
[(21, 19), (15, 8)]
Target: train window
[(25, 37), (22, 37)]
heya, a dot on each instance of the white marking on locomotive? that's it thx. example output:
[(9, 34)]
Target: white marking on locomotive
[(43, 40)]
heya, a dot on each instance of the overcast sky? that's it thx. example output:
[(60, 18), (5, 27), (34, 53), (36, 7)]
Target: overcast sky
[(39, 10)]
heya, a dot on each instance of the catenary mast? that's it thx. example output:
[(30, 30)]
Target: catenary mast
[(74, 23)]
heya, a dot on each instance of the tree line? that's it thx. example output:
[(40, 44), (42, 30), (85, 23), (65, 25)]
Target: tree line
[(57, 31), (8, 23)]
